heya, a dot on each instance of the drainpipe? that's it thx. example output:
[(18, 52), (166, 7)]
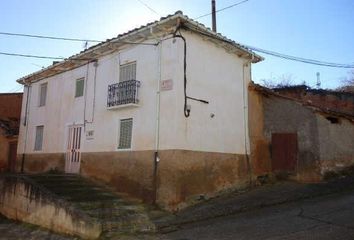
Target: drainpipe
[(85, 92), (157, 127), (245, 118), (25, 123)]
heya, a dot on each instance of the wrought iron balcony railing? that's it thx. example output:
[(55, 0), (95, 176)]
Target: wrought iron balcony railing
[(123, 93)]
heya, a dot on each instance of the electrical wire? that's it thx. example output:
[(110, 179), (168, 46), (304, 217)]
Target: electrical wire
[(49, 37), (186, 110), (150, 8), (300, 59), (31, 56), (186, 97), (279, 55), (68, 39), (222, 9)]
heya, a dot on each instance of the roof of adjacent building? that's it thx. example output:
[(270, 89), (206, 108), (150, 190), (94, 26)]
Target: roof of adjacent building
[(306, 103), (142, 34)]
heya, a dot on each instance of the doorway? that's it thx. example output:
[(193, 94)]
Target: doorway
[(73, 154), (12, 156), (284, 152)]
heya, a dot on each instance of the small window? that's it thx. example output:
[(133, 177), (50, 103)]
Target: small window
[(127, 72), (125, 133), (79, 90), (42, 94), (39, 138), (333, 120)]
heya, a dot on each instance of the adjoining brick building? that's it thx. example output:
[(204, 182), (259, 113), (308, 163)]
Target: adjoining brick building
[(10, 112), (306, 133)]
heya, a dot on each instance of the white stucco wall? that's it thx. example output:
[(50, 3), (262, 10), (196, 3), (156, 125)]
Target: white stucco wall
[(213, 75)]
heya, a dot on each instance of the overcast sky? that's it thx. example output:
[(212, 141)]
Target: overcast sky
[(316, 29)]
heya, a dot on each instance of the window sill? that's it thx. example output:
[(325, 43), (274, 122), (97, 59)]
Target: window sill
[(124, 149), (129, 105)]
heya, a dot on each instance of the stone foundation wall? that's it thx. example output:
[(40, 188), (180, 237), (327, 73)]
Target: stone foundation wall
[(41, 162), (186, 176), (181, 178), (126, 171), (22, 200)]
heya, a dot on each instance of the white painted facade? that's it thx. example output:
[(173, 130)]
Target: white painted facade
[(214, 74)]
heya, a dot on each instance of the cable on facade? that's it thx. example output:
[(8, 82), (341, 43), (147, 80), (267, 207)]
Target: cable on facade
[(186, 97), (186, 110)]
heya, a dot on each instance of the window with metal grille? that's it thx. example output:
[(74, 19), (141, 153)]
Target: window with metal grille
[(39, 138), (127, 72), (79, 90), (125, 133), (42, 94)]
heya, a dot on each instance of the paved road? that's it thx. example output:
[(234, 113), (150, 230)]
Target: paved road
[(329, 217)]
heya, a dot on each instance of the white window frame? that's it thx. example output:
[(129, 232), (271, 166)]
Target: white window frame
[(83, 87), (121, 66), (131, 139), (40, 103), (35, 148)]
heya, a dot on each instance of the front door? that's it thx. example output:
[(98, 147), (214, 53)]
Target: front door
[(12, 156), (73, 154), (284, 152)]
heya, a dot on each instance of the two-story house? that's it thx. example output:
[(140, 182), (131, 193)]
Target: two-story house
[(159, 112)]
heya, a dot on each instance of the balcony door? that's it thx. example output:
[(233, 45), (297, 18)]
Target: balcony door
[(73, 153)]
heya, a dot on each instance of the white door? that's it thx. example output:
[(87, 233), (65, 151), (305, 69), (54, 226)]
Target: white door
[(73, 154)]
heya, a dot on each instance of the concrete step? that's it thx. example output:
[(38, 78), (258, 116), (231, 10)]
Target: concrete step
[(117, 214)]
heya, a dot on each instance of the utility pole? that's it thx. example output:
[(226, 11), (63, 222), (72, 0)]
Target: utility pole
[(318, 83), (213, 11)]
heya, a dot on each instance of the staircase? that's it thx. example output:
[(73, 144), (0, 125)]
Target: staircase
[(118, 214)]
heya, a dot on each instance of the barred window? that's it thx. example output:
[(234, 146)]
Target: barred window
[(125, 133), (42, 94), (79, 90), (127, 72), (39, 138)]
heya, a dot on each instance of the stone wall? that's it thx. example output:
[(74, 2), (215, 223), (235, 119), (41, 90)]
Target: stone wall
[(182, 176), (287, 116), (336, 143), (325, 142), (22, 200)]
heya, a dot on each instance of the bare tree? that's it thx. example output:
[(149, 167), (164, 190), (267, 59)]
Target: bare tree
[(285, 80), (348, 83)]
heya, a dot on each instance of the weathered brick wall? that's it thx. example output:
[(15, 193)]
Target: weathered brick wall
[(10, 105)]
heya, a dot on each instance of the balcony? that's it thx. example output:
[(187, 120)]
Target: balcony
[(123, 94)]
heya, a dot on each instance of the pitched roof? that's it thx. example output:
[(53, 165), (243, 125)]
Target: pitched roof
[(307, 104), (142, 34)]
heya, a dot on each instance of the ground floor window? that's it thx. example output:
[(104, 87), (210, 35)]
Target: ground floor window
[(39, 138), (125, 133)]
